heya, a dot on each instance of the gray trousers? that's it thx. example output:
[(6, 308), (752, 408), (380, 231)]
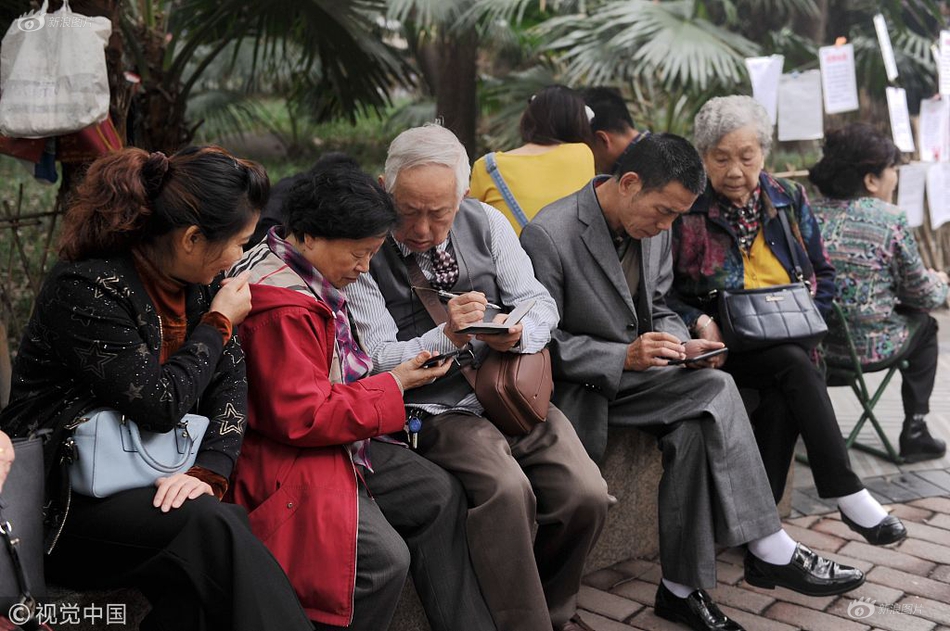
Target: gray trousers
[(513, 482), (714, 488), (412, 520)]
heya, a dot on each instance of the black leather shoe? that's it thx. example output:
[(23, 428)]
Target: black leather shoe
[(807, 573), (916, 443), (889, 530), (697, 611)]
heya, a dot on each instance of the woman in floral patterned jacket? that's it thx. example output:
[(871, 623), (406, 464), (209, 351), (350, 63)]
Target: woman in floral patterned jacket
[(732, 239), (882, 285)]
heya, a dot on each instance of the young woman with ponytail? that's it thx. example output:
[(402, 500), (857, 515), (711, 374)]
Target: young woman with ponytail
[(127, 320)]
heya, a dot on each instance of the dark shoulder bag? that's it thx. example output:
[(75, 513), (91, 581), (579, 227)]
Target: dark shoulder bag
[(752, 319), (22, 581), (514, 388)]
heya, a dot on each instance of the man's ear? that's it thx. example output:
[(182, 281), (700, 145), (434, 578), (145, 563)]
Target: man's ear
[(603, 138), (872, 183), (382, 180), (630, 183)]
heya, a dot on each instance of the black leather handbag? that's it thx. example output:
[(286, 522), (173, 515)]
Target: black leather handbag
[(22, 581), (752, 319)]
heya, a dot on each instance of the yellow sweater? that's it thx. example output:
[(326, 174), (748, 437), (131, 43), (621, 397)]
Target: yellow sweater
[(534, 180), (762, 267)]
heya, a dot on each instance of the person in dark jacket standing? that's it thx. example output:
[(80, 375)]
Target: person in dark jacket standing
[(126, 320)]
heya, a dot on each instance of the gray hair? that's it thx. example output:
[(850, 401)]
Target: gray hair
[(725, 114), (430, 144)]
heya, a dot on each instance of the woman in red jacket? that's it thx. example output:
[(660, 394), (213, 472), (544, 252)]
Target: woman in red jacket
[(345, 517)]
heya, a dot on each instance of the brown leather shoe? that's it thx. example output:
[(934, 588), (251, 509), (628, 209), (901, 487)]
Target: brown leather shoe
[(575, 624)]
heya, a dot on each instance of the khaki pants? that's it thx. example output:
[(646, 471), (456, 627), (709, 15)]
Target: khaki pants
[(513, 482)]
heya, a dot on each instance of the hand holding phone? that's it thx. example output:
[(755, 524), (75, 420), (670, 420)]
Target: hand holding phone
[(699, 358)]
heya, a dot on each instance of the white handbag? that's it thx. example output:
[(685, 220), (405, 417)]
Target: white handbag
[(53, 76), (110, 454)]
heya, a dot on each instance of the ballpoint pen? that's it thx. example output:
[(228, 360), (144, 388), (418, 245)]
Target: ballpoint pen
[(448, 295)]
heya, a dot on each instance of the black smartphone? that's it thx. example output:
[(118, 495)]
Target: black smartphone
[(699, 358), (438, 359)]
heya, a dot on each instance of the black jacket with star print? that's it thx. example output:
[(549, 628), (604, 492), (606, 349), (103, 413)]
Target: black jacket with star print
[(94, 340)]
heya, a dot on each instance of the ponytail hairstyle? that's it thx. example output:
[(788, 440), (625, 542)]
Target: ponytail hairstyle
[(133, 197), (554, 115)]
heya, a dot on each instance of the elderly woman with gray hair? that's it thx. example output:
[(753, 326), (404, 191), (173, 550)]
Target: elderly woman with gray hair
[(732, 238)]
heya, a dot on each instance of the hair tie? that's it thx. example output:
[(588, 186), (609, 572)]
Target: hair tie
[(153, 173)]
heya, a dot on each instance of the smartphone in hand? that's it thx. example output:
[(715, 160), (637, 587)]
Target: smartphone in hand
[(699, 358), (438, 359)]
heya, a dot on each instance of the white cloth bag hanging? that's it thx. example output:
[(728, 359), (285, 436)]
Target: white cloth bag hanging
[(53, 77)]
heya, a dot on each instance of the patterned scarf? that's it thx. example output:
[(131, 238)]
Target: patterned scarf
[(354, 361), (743, 219)]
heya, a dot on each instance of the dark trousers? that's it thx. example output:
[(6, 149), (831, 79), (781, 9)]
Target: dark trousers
[(794, 400), (920, 350), (713, 490), (413, 520), (511, 482), (200, 566)]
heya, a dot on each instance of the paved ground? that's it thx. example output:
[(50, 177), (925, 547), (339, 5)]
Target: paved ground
[(908, 586)]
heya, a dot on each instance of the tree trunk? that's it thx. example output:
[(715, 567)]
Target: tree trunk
[(456, 96)]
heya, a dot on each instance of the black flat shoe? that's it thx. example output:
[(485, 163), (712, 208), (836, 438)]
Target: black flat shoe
[(889, 530), (697, 611), (807, 573)]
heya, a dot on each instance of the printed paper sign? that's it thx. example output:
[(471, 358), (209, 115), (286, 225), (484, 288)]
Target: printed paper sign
[(912, 181), (938, 197), (800, 117), (900, 119), (838, 82), (933, 129), (884, 40), (764, 73), (944, 66)]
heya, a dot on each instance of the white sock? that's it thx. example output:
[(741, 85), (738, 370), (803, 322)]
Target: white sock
[(776, 548), (680, 591), (862, 508)]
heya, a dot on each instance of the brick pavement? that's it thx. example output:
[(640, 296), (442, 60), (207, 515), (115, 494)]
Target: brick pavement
[(908, 586)]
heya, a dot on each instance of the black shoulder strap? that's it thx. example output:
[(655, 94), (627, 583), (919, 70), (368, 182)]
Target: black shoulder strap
[(799, 275)]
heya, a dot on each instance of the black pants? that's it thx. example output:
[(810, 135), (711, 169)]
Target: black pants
[(920, 350), (200, 566), (794, 400), (413, 520)]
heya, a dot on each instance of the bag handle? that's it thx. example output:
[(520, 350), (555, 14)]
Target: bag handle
[(430, 301), (149, 459), (26, 595), (799, 275), (505, 191)]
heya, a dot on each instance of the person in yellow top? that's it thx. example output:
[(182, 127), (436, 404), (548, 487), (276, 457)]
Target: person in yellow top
[(554, 162)]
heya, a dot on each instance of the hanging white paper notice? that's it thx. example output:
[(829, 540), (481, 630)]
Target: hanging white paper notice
[(764, 73), (938, 197), (912, 181), (944, 66), (838, 82), (884, 40), (800, 117), (900, 119), (933, 130)]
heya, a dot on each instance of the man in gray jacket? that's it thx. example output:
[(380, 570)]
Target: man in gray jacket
[(604, 254)]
